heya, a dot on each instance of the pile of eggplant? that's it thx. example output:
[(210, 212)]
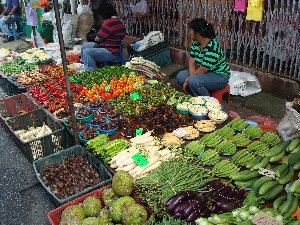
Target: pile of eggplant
[(219, 197)]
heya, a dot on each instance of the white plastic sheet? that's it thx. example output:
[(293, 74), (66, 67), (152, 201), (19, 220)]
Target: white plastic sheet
[(289, 127)]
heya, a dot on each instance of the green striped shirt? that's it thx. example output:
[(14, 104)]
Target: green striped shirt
[(212, 57)]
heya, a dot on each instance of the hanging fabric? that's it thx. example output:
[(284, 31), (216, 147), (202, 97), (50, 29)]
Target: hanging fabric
[(43, 2), (240, 5), (31, 16), (254, 10)]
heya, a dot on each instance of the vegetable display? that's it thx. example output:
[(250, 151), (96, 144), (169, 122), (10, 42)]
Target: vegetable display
[(147, 146), (225, 168), (105, 149), (191, 205), (172, 177), (16, 66), (210, 157), (33, 133)]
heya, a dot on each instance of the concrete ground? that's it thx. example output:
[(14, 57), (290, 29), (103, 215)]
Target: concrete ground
[(19, 45), (22, 198), (23, 201)]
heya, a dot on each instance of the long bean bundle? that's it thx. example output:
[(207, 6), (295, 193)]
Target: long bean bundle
[(172, 177)]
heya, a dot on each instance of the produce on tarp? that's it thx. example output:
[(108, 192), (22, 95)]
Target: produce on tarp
[(16, 66)]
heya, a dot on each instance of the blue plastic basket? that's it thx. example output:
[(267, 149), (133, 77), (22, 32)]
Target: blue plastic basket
[(108, 132), (84, 141), (198, 117), (59, 157), (86, 119)]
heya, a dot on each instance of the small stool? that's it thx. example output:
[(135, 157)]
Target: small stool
[(218, 94)]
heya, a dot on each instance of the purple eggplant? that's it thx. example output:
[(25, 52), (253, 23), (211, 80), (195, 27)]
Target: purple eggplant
[(193, 216), (173, 202), (192, 207), (227, 205), (224, 191)]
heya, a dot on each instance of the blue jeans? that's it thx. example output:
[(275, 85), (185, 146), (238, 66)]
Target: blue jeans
[(201, 84), (91, 55), (4, 24)]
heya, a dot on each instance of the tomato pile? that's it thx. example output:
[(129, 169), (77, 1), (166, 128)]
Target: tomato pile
[(114, 88)]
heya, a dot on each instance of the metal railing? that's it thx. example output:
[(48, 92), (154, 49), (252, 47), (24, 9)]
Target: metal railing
[(272, 45)]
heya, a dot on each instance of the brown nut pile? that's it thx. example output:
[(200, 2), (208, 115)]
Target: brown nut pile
[(71, 176)]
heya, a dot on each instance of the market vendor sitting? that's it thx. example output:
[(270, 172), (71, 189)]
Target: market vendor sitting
[(208, 69), (11, 14), (108, 40)]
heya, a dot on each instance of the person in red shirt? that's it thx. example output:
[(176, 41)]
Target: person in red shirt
[(107, 43)]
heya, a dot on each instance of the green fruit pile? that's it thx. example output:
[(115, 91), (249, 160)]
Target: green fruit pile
[(15, 67), (118, 208)]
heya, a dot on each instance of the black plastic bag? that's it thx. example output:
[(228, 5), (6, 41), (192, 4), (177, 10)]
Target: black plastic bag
[(91, 35)]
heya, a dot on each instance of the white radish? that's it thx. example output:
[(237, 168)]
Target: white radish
[(19, 132), (130, 167), (152, 149), (152, 167), (147, 134), (143, 141), (152, 160), (164, 152), (149, 144)]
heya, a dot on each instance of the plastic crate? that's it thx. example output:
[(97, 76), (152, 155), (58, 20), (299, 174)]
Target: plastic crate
[(160, 54), (55, 215), (15, 105), (59, 157), (44, 146), (9, 88)]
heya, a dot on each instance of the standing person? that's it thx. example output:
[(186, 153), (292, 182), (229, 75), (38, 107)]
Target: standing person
[(208, 69), (11, 13), (108, 40)]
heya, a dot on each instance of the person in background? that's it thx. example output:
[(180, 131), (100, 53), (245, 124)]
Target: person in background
[(107, 42), (208, 69), (12, 12)]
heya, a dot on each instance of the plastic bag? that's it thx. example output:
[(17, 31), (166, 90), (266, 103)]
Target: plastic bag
[(153, 38), (140, 9), (243, 84), (85, 21), (264, 123), (69, 28), (289, 127), (82, 9)]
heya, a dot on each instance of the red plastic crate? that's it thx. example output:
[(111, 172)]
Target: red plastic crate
[(55, 215), (17, 104)]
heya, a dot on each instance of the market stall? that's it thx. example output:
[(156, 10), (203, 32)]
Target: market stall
[(186, 160)]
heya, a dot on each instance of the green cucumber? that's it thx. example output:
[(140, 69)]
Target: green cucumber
[(278, 170), (278, 202), (295, 186), (277, 158), (286, 205), (245, 175), (273, 193), (277, 149), (285, 179), (293, 158), (246, 183), (294, 143), (293, 207), (269, 185), (262, 164), (296, 166), (257, 184), (257, 160), (268, 166)]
